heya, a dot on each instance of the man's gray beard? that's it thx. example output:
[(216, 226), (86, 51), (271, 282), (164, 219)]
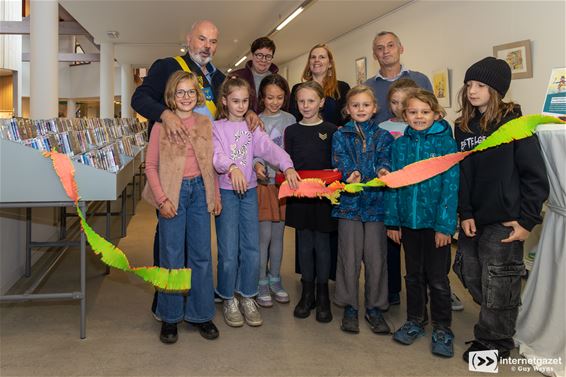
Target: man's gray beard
[(199, 60)]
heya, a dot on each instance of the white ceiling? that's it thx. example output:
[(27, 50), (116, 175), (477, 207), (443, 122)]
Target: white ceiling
[(153, 29)]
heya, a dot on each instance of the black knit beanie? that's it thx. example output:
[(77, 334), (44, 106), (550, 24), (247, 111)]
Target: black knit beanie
[(491, 71)]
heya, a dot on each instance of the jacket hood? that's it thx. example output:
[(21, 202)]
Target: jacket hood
[(440, 127)]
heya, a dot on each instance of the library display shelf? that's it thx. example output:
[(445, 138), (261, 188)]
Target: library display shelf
[(28, 180)]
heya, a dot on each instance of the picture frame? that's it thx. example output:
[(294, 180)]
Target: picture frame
[(441, 86), (361, 70), (518, 56)]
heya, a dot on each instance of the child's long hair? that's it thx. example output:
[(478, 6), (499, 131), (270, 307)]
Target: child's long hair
[(330, 83), (401, 84), (171, 88), (226, 88), (277, 80), (359, 89), (495, 111), (426, 97)]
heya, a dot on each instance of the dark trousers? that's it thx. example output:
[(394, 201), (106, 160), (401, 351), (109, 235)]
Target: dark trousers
[(394, 266), (315, 264), (426, 268), (491, 271)]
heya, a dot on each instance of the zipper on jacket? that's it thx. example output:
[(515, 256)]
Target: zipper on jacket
[(418, 155), (362, 136)]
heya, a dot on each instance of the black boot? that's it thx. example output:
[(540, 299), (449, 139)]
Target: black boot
[(323, 313), (307, 302)]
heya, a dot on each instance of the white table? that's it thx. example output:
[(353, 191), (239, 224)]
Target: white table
[(541, 325)]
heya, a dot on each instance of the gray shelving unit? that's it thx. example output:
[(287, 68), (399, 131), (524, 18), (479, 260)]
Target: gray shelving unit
[(28, 180)]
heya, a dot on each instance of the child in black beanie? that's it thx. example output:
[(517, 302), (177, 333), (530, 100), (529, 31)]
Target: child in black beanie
[(501, 194)]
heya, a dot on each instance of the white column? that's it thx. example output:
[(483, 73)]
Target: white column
[(106, 80), (71, 108), (44, 65), (127, 89)]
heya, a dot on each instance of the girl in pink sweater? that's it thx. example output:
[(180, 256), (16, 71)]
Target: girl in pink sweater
[(237, 227)]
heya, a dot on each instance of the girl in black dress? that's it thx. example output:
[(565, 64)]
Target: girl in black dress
[(309, 143)]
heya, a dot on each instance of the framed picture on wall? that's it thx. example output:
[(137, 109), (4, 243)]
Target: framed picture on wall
[(518, 56), (441, 86), (361, 70)]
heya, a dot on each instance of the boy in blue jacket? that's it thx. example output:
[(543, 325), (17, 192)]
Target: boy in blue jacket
[(361, 151), (423, 218)]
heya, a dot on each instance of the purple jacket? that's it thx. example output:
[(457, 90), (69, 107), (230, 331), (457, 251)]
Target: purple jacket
[(235, 144), (246, 74)]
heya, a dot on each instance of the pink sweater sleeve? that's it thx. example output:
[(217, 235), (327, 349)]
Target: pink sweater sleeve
[(266, 149), (221, 161), (152, 165)]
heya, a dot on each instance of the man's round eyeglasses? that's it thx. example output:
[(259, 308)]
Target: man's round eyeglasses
[(180, 93), (260, 56)]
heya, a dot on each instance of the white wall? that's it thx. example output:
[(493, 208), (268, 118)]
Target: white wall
[(455, 34)]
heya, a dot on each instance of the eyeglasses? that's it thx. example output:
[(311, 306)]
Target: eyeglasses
[(180, 93), (260, 56)]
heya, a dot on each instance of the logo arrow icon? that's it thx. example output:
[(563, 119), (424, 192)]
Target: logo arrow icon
[(482, 361), (489, 361)]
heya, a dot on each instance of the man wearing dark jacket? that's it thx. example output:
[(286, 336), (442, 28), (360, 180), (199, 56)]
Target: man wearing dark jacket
[(148, 98)]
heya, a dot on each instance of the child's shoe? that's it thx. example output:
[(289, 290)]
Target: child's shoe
[(408, 333), (168, 333), (251, 312), (350, 320), (457, 305), (323, 311), (376, 321), (279, 293), (232, 315), (394, 298), (442, 342), (264, 297)]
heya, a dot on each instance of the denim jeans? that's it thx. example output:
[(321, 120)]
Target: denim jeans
[(426, 267), (237, 232), (491, 271), (184, 241)]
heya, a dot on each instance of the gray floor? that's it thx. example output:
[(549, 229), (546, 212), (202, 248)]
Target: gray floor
[(122, 336)]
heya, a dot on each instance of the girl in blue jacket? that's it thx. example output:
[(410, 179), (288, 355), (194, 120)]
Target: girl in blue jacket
[(423, 218), (361, 151)]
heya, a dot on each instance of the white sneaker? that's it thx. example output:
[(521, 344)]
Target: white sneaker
[(232, 315), (251, 311), (264, 296)]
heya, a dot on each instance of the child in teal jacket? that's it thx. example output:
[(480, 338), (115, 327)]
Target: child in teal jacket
[(423, 218)]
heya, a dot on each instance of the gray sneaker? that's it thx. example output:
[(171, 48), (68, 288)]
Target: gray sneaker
[(232, 315), (279, 292), (251, 311), (263, 298), (457, 305)]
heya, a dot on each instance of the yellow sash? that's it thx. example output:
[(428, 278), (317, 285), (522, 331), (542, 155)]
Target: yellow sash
[(209, 103)]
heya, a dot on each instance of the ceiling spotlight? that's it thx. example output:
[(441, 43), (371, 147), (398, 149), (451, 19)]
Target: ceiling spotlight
[(113, 34), (229, 70)]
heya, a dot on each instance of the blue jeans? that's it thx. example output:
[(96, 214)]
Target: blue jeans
[(184, 241), (237, 232)]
